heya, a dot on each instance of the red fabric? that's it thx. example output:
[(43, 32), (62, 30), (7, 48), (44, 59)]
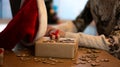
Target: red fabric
[(1, 51), (23, 26)]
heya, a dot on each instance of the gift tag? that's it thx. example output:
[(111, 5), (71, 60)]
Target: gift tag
[(1, 55)]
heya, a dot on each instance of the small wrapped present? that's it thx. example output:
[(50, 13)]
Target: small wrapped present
[(61, 48), (1, 56)]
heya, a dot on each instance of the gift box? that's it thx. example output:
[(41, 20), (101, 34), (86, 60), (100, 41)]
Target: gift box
[(62, 48), (1, 56)]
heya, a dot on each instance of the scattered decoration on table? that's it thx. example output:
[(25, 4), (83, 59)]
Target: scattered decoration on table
[(24, 57), (91, 56)]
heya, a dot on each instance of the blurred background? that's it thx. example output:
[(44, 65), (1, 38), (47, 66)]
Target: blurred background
[(5, 9), (65, 9), (57, 10)]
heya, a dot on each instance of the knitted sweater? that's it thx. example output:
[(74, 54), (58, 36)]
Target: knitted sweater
[(106, 14)]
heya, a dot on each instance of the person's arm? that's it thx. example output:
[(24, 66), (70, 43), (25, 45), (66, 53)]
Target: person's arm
[(84, 18), (85, 40), (63, 27), (67, 26), (110, 44)]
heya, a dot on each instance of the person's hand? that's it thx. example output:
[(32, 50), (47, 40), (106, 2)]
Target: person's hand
[(54, 31)]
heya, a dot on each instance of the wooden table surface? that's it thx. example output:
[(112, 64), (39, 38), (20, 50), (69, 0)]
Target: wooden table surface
[(11, 59)]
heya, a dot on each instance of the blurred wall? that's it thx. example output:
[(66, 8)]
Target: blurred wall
[(66, 9), (69, 9), (5, 10), (0, 8)]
